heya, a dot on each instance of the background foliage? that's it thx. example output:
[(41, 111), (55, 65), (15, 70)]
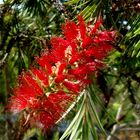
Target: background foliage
[(112, 101)]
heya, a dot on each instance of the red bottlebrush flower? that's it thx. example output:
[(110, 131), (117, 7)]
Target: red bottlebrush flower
[(82, 27), (43, 120), (61, 96), (75, 88), (59, 43), (106, 47), (60, 78), (29, 83), (81, 73), (51, 109), (74, 46), (59, 46), (96, 26), (25, 93), (81, 70), (17, 104), (44, 63), (87, 41), (75, 58), (46, 91), (106, 35), (40, 75), (70, 30), (62, 67), (95, 52)]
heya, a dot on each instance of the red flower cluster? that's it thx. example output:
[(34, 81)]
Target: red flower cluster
[(46, 91)]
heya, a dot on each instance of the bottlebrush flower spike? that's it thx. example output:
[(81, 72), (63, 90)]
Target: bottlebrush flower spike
[(45, 92), (96, 26), (82, 27)]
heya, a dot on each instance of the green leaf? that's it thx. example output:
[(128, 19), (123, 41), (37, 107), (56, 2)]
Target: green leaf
[(72, 1), (74, 122), (94, 112), (136, 51), (83, 125)]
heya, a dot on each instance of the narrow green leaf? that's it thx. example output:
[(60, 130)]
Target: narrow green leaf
[(97, 100), (93, 133), (136, 49), (72, 2), (76, 120), (95, 114)]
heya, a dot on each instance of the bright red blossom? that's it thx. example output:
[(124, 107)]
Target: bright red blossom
[(70, 30), (82, 27), (46, 92)]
